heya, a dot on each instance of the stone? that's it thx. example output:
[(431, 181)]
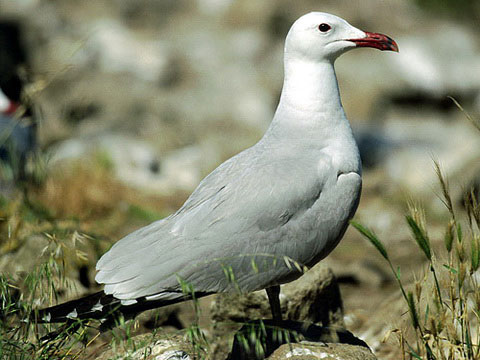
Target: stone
[(374, 146), (22, 257), (314, 297), (167, 347), (257, 340), (113, 48), (137, 164), (25, 261), (312, 351), (455, 145), (361, 272), (429, 61)]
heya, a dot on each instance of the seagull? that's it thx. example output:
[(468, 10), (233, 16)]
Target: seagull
[(261, 217)]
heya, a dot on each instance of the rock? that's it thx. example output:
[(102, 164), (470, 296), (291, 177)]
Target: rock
[(374, 146), (257, 340), (314, 298), (418, 119), (136, 163), (418, 80), (20, 258), (168, 347), (165, 317), (312, 351), (361, 272), (266, 336), (32, 260), (240, 307), (455, 145), (429, 61), (113, 48), (214, 7)]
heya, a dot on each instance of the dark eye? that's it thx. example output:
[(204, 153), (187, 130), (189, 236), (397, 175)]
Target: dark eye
[(324, 27)]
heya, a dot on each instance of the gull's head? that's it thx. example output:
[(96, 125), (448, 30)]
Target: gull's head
[(320, 36)]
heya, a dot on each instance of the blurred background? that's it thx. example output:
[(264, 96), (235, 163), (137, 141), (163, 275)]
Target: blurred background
[(124, 106)]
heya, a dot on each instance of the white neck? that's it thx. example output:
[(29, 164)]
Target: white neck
[(310, 100), (310, 86)]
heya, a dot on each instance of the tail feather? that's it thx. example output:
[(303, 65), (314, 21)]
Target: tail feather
[(102, 307), (93, 306)]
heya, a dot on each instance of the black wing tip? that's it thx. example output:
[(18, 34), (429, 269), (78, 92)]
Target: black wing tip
[(93, 306)]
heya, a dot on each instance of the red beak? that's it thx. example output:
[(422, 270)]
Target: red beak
[(377, 41)]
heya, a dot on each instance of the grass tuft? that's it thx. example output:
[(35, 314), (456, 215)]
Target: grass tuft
[(448, 296)]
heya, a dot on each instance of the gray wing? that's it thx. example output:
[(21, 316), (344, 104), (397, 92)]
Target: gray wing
[(234, 231)]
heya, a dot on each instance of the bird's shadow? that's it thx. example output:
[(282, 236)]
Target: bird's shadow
[(258, 339)]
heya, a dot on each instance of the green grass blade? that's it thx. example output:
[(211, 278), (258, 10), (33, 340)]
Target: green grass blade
[(430, 355), (475, 256), (447, 199), (420, 237), (413, 310), (459, 233), (449, 235), (413, 352), (449, 268), (371, 237)]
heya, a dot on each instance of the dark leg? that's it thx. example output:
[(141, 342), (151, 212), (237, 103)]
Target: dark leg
[(274, 299)]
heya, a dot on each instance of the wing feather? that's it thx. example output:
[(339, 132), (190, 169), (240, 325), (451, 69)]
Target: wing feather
[(242, 219)]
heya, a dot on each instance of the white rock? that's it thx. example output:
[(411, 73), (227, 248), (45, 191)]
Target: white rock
[(214, 7), (137, 164), (115, 49), (440, 61), (453, 144)]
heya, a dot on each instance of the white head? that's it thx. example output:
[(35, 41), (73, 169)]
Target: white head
[(320, 36)]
